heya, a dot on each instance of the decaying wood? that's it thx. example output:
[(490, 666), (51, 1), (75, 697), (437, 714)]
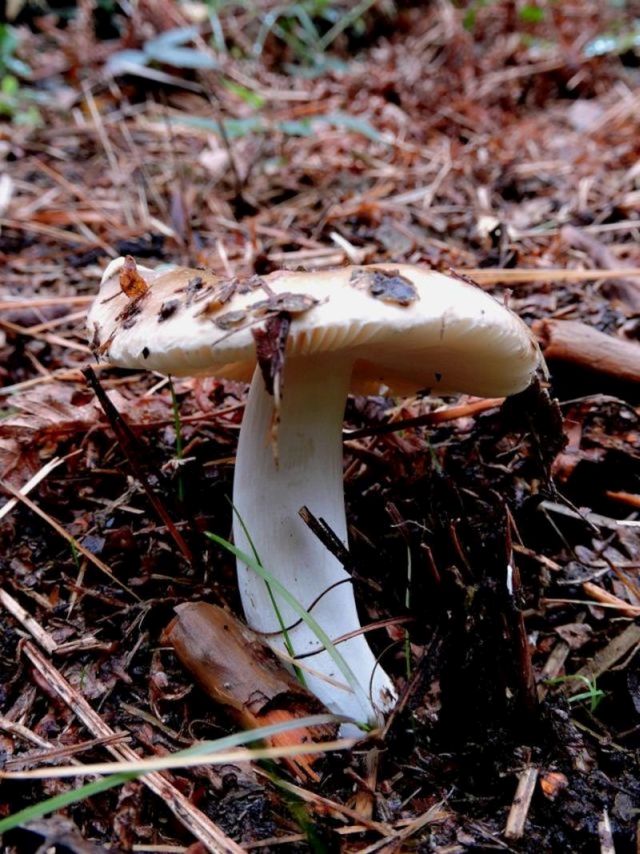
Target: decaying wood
[(239, 671), (195, 821), (579, 344)]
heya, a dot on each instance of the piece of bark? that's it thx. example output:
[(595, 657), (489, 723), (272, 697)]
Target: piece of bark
[(239, 671), (579, 344), (626, 290)]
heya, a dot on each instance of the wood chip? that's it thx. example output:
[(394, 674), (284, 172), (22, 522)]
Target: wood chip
[(238, 670)]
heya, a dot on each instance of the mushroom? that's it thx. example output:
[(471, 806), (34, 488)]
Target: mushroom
[(304, 340)]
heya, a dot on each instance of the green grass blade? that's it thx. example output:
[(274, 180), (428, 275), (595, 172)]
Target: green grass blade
[(274, 604), (237, 739), (301, 611), (59, 802)]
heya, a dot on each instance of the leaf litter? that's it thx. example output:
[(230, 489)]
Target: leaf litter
[(480, 140)]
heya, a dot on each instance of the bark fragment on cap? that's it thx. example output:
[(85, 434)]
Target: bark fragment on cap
[(386, 285)]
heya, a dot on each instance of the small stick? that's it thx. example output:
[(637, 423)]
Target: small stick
[(128, 443), (495, 275), (327, 537), (21, 731), (56, 340), (601, 595), (54, 754), (605, 834), (628, 498), (33, 482), (325, 806), (60, 235), (60, 375), (521, 803), (429, 418), (42, 637), (552, 667), (211, 836), (606, 658), (43, 302)]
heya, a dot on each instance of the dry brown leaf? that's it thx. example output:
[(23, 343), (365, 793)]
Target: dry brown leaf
[(131, 282)]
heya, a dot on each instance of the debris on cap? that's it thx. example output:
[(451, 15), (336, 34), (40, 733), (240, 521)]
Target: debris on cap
[(405, 327), (132, 283), (386, 285)]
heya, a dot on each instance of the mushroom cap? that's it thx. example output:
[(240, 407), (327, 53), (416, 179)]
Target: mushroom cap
[(404, 327)]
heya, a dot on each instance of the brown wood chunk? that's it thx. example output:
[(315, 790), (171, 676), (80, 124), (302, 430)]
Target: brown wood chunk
[(239, 671)]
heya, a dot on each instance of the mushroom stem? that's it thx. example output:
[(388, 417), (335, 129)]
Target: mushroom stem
[(267, 497)]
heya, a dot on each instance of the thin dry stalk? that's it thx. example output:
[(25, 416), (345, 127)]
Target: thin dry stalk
[(33, 627), (519, 811)]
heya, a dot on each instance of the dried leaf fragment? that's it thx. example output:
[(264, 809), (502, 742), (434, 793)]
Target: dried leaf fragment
[(230, 319), (271, 343), (131, 282), (552, 783), (289, 302)]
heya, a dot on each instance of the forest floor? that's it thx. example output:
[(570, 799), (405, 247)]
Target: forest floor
[(500, 140)]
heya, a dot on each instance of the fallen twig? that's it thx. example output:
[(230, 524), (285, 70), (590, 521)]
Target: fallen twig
[(487, 276), (521, 803), (603, 596), (579, 344), (40, 635), (95, 560)]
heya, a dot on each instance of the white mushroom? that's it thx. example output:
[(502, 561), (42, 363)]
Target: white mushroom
[(394, 327)]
